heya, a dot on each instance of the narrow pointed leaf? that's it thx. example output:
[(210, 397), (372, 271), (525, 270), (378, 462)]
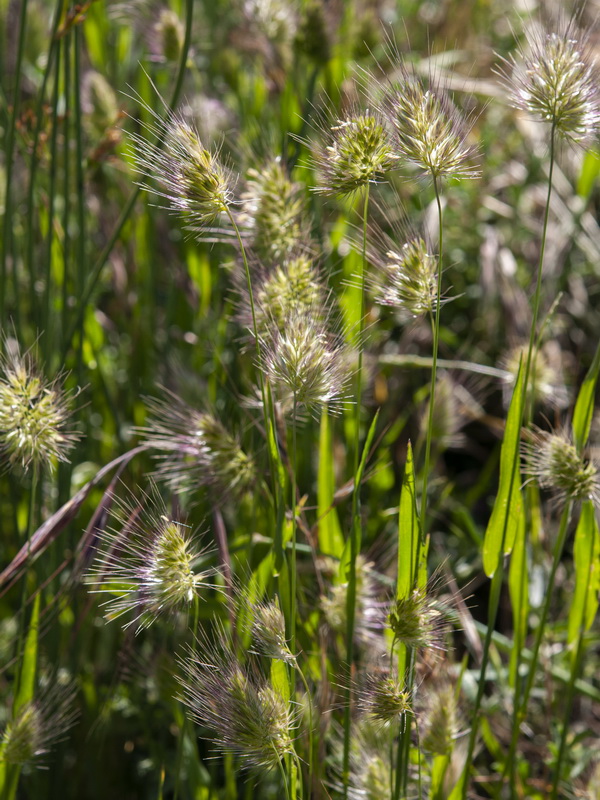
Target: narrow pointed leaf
[(408, 531), (584, 407), (26, 689), (331, 541), (508, 511), (586, 555)]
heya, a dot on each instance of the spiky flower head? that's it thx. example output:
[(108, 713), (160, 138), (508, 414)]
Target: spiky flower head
[(385, 699), (408, 278), (439, 720), (370, 760), (99, 103), (34, 414), (306, 364), (292, 286), (195, 449), (192, 179), (556, 80), (429, 130), (553, 462), (148, 564), (358, 152), (250, 718), (418, 620), (268, 632), (369, 609), (274, 212), (545, 383), (168, 34), (39, 725)]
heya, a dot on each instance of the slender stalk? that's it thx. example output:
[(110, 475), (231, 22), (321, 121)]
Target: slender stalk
[(129, 205), (499, 574), (294, 529), (355, 534), (7, 222), (310, 728), (184, 726), (436, 339)]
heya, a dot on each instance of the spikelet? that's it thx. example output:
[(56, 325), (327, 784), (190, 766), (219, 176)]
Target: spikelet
[(39, 725), (191, 178), (552, 460), (34, 414), (369, 610), (195, 449), (545, 385), (168, 35), (268, 632), (250, 718), (305, 362), (273, 212), (418, 621), (439, 720), (429, 130), (385, 699), (357, 152), (555, 79), (148, 564)]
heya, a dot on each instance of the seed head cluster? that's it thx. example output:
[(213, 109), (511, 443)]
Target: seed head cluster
[(34, 414), (250, 717), (553, 462), (557, 82), (268, 632), (148, 565), (385, 699), (195, 449), (429, 130), (190, 177), (418, 621), (273, 211), (359, 153), (409, 278)]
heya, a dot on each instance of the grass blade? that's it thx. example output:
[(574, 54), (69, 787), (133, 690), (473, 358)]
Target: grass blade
[(584, 407), (408, 530)]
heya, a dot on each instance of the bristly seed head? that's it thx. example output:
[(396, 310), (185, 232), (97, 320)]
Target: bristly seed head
[(250, 718), (385, 699), (33, 414), (38, 725), (148, 565), (268, 631), (195, 449), (553, 461), (305, 362), (429, 130), (191, 178), (358, 153), (409, 278), (273, 210), (557, 82), (439, 722), (418, 621), (169, 34)]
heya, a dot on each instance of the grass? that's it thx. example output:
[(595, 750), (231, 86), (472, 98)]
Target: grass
[(399, 593)]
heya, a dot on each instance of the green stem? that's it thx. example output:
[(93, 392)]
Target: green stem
[(129, 205), (310, 728), (184, 726), (436, 339), (8, 221), (294, 530), (355, 534)]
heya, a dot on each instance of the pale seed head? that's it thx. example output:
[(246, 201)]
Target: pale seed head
[(556, 81), (195, 449), (409, 278), (169, 35), (545, 384), (385, 699), (34, 413), (273, 211), (250, 718), (429, 130), (439, 721), (148, 564), (190, 177), (268, 632), (369, 610), (418, 621), (358, 152), (552, 460)]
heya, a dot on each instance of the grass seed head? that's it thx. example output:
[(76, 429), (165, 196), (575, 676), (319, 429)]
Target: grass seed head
[(369, 610), (555, 79), (169, 35), (439, 722), (553, 462), (190, 177), (429, 130), (385, 699), (39, 725), (358, 153), (268, 631), (545, 384), (148, 565), (195, 449), (409, 278), (274, 212), (305, 362), (418, 621), (34, 414), (250, 718)]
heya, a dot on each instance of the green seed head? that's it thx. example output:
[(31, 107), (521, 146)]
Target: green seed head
[(22, 737), (409, 279), (553, 461), (169, 34), (439, 724), (268, 630), (417, 621), (358, 153)]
